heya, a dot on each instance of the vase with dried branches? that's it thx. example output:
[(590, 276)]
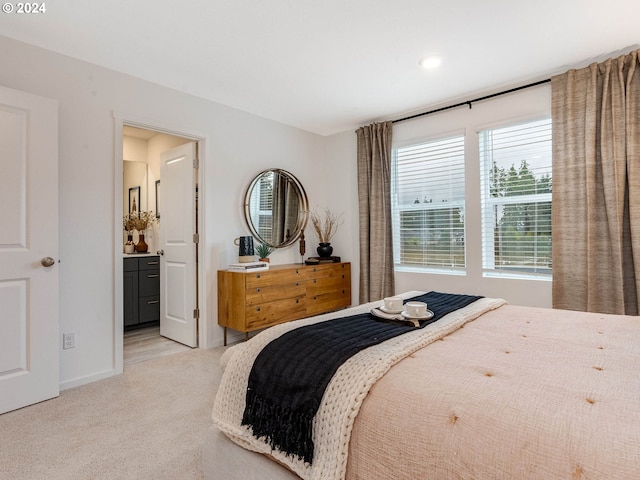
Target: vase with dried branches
[(325, 224), (142, 221), (128, 226)]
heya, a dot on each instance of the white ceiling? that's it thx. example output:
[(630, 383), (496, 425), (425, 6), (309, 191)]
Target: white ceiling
[(327, 66)]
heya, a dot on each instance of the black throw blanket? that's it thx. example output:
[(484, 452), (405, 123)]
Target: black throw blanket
[(289, 376)]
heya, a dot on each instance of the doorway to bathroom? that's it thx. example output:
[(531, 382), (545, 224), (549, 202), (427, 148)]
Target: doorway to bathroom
[(160, 243)]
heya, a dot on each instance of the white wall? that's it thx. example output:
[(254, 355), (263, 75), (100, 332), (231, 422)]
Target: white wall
[(341, 155), (238, 145), (134, 149), (337, 188)]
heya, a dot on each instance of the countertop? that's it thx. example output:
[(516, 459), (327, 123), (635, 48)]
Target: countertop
[(131, 255)]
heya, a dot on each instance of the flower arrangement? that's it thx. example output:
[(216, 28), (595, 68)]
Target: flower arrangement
[(128, 224), (139, 221), (325, 224)]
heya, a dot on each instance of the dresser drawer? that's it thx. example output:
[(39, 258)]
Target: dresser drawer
[(274, 277), (270, 293), (326, 302), (272, 313), (326, 285), (329, 270)]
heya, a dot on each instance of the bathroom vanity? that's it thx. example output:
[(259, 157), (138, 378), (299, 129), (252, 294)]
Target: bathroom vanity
[(141, 290)]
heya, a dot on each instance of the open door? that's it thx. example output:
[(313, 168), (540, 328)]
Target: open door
[(29, 339), (178, 245)]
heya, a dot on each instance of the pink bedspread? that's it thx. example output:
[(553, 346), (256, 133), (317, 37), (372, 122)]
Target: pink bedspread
[(519, 393), (343, 396)]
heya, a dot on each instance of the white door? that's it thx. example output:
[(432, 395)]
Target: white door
[(178, 299), (29, 339)]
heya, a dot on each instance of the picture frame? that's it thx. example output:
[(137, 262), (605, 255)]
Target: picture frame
[(157, 198), (134, 200)]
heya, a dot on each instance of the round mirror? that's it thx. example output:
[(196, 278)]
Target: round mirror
[(276, 208)]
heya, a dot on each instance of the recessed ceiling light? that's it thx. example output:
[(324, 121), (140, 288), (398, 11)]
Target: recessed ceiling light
[(432, 61)]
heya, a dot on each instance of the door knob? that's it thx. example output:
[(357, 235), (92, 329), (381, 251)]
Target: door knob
[(47, 261), (160, 252)]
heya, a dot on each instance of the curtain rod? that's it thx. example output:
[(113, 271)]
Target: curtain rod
[(470, 102)]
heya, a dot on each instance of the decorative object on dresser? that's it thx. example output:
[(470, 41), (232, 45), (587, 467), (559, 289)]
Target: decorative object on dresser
[(245, 249), (263, 250), (317, 260), (325, 225), (324, 249), (141, 290), (255, 300), (249, 266), (303, 245)]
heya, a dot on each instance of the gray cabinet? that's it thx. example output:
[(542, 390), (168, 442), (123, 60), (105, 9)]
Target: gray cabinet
[(141, 291)]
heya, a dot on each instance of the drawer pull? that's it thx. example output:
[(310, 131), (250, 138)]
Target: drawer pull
[(257, 275), (257, 309), (315, 298), (297, 271), (153, 301), (153, 276), (258, 289), (297, 284), (315, 280), (153, 263), (297, 300)]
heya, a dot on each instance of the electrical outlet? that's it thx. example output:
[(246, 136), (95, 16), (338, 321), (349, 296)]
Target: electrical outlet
[(68, 340)]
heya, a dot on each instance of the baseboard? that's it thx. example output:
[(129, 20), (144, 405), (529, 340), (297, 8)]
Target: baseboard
[(76, 382)]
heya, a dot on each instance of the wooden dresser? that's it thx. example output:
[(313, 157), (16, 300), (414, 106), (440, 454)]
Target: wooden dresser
[(255, 300)]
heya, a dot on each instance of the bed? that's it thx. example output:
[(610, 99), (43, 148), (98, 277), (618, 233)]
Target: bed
[(489, 391)]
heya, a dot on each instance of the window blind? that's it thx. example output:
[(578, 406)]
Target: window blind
[(516, 186), (428, 194), (261, 206)]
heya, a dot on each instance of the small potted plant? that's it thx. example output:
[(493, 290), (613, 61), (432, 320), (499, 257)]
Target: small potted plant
[(264, 250)]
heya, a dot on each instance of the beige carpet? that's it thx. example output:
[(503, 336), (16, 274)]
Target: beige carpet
[(145, 424)]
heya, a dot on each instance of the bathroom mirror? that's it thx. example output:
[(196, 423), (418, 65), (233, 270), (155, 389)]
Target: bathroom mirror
[(276, 207)]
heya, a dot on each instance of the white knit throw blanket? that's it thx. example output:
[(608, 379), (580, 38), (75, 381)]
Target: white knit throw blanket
[(344, 395)]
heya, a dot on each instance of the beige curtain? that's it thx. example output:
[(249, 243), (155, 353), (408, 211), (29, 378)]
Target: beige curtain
[(596, 187), (285, 210), (374, 192)]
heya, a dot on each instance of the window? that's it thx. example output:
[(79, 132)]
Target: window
[(261, 207), (428, 204), (516, 198)]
